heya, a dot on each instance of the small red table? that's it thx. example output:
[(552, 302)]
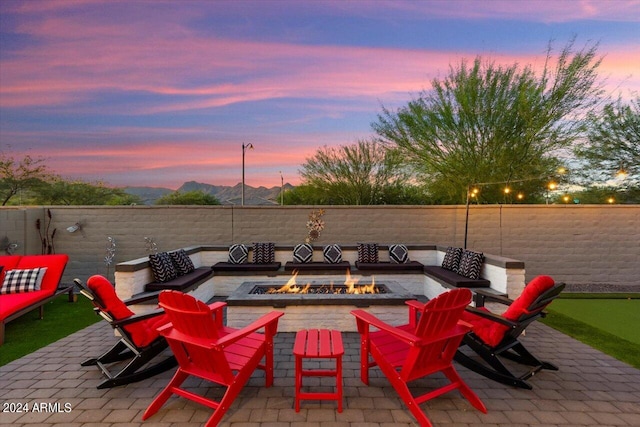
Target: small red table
[(318, 344)]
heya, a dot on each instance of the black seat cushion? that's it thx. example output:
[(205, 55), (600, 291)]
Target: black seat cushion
[(455, 279), (181, 282), (390, 266)]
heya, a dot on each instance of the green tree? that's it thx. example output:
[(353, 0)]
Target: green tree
[(62, 192), (194, 197), (364, 173), (613, 143), (22, 175), (491, 123)]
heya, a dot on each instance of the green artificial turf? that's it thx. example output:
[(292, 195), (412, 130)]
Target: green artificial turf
[(28, 333), (604, 323)]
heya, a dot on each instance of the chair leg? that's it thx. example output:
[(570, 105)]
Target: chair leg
[(117, 353), (500, 374), (165, 394), (473, 398), (519, 353)]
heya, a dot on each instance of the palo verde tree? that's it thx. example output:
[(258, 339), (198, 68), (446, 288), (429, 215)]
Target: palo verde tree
[(490, 123), (22, 175), (364, 173)]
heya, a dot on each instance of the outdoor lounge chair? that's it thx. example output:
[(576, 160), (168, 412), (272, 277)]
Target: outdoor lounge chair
[(422, 347), (206, 349), (139, 343), (494, 336)]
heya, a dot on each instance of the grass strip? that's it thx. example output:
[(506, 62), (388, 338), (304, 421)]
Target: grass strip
[(607, 343), (602, 295), (29, 333)]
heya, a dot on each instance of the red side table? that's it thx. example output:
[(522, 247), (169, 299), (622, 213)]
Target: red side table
[(318, 344)]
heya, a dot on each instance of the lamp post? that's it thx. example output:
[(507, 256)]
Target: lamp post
[(244, 150), (281, 189)]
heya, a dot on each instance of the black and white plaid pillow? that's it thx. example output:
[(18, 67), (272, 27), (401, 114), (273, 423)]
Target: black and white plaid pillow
[(470, 264), (264, 253), (398, 254), (451, 259), (238, 254), (303, 253), (182, 262), (162, 267), (368, 252), (27, 280), (332, 254)]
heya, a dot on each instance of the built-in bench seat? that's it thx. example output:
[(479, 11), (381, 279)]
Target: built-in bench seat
[(317, 266), (452, 279), (182, 283), (407, 267), (247, 266)]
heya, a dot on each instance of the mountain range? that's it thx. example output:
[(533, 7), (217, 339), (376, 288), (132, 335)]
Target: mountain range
[(227, 195)]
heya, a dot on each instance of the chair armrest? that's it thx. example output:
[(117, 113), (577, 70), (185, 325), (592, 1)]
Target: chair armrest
[(137, 300), (370, 319), (491, 316), (263, 322), (137, 318), (483, 296)]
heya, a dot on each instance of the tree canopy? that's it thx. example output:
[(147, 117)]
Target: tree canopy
[(20, 175), (490, 123), (194, 197)]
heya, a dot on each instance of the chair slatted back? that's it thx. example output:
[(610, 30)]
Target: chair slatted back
[(191, 335), (535, 310), (438, 319)]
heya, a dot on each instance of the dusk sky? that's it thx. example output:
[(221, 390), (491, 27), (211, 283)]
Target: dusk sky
[(158, 93)]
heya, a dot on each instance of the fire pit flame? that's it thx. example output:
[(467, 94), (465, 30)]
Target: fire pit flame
[(350, 287)]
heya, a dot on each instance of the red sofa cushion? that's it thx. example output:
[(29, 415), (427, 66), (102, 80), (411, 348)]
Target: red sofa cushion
[(9, 262), (492, 332), (12, 303), (143, 332)]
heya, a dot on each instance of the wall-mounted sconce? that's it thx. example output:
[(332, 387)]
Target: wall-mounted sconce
[(75, 227), (8, 246)]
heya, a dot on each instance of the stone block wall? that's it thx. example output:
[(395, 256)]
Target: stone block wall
[(573, 243)]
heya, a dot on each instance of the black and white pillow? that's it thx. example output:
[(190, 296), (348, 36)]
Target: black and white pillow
[(470, 264), (27, 280), (368, 252), (264, 253), (332, 254), (238, 254), (162, 267), (182, 262), (451, 259), (398, 254), (303, 253)]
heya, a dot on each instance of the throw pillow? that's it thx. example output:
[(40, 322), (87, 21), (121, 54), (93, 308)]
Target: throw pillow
[(451, 259), (182, 262), (303, 253), (238, 254), (398, 254), (162, 267), (470, 264), (368, 252), (27, 280), (264, 253), (332, 254)]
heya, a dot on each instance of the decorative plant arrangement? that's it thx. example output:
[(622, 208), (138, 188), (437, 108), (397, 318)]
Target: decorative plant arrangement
[(46, 238), (315, 225), (150, 245), (111, 253)]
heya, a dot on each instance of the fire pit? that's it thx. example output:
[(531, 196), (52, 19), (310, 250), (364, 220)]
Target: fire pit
[(316, 304)]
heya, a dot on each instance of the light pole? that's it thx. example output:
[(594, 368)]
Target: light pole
[(244, 150), (281, 189)]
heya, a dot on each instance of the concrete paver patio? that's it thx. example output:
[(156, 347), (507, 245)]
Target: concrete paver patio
[(590, 389)]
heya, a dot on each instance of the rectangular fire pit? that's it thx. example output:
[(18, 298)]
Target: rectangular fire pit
[(315, 310)]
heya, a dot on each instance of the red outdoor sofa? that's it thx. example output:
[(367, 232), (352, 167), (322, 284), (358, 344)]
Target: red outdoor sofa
[(25, 291)]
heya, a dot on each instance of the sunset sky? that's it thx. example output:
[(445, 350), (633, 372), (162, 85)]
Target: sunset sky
[(161, 92)]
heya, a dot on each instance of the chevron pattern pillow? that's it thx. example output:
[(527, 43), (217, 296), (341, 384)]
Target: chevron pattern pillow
[(368, 252), (470, 264), (332, 254), (264, 253), (451, 259), (398, 254), (182, 262), (18, 281), (162, 267), (238, 254), (303, 253)]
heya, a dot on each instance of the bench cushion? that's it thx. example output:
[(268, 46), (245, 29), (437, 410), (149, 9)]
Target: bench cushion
[(247, 266), (181, 282), (342, 266), (390, 266), (454, 279)]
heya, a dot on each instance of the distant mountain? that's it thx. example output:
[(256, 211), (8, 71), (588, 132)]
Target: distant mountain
[(225, 194)]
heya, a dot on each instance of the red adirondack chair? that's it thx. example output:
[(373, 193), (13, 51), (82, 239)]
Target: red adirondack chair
[(206, 349), (424, 346)]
